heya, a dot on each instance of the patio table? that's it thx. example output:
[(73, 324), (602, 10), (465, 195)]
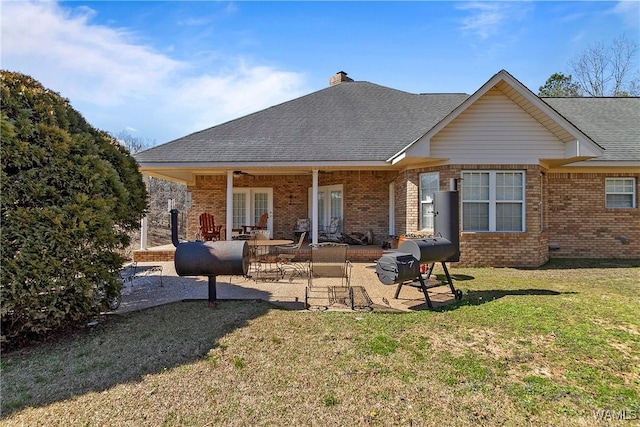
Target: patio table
[(268, 267)]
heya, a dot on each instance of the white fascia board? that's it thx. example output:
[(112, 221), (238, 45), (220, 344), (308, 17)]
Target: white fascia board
[(238, 165), (606, 163), (397, 158), (581, 148)]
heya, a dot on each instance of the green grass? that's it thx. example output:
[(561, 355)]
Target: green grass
[(558, 345)]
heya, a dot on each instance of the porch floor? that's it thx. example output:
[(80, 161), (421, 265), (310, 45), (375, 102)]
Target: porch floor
[(165, 286)]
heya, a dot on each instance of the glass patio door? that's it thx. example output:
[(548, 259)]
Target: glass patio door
[(329, 205), (249, 204)]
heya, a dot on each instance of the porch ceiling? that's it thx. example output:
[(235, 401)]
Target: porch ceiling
[(186, 174)]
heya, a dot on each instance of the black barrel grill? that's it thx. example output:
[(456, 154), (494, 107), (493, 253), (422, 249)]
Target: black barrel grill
[(403, 265), (210, 259)]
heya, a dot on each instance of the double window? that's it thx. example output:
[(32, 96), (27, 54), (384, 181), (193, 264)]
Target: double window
[(493, 201), (620, 192)]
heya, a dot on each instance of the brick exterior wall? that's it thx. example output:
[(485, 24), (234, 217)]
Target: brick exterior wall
[(365, 200), (580, 223), (497, 249), (574, 216)]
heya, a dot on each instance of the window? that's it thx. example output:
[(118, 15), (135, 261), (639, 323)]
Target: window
[(493, 201), (620, 192), (249, 204), (429, 184)]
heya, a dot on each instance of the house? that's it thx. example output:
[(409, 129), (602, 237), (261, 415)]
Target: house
[(538, 177)]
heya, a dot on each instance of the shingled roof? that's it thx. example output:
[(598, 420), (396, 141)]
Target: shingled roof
[(354, 121), (613, 123), (365, 122)]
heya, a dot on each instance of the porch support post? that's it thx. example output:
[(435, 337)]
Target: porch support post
[(229, 215), (143, 222), (314, 208)]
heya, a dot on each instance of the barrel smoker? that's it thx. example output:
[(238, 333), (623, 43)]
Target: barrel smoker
[(209, 258), (402, 266)]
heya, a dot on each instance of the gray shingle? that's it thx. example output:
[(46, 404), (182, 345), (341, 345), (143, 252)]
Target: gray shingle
[(362, 121), (356, 121), (613, 123)]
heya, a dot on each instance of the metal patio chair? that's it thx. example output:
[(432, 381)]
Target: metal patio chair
[(329, 277)]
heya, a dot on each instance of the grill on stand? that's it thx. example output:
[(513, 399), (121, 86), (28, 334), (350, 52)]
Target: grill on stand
[(209, 258), (403, 265)]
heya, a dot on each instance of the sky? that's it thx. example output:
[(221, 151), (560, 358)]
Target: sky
[(162, 70)]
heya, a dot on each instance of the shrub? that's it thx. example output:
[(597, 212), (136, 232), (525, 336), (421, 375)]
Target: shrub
[(70, 196)]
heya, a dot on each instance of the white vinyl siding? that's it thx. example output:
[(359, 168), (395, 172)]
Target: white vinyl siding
[(493, 201), (495, 130), (620, 192), (429, 184)]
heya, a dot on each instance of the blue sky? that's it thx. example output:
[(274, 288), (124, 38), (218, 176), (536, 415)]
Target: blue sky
[(161, 70)]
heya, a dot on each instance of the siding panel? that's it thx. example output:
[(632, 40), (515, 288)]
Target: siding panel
[(496, 130)]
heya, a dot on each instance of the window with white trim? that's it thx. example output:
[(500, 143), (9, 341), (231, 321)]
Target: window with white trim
[(493, 201), (620, 192), (429, 184)]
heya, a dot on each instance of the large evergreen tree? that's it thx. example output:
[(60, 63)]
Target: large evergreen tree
[(70, 196)]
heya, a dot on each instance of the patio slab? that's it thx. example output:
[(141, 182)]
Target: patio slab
[(158, 288)]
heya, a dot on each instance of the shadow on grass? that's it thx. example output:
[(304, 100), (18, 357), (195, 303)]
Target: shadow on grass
[(120, 349), (573, 263), (482, 297)]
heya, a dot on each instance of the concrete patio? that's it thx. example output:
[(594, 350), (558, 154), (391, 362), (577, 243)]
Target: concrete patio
[(165, 286)]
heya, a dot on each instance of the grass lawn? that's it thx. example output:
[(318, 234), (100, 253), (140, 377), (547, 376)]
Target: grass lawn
[(559, 345)]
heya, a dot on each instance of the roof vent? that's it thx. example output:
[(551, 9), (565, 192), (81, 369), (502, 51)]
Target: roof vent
[(340, 77)]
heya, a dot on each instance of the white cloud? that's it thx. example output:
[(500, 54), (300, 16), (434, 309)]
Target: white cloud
[(87, 62), (629, 11), (488, 19), (484, 19), (119, 83)]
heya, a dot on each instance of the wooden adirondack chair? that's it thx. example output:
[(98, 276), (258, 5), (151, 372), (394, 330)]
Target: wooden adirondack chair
[(208, 229), (262, 224)]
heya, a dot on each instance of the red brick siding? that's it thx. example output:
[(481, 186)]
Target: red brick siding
[(525, 249), (580, 223), (574, 212), (365, 200)]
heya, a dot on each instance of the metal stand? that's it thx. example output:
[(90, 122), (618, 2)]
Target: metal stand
[(456, 293), (213, 300)]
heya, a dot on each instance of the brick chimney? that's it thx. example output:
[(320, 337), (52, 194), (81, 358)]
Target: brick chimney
[(340, 77)]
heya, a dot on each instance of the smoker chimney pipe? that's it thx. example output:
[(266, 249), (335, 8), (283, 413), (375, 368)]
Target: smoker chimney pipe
[(174, 227)]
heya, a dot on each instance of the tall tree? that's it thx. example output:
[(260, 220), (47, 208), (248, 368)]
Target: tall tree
[(608, 70), (559, 85), (71, 194)]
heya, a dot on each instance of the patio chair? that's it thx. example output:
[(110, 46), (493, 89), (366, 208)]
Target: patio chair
[(266, 266), (329, 276), (332, 233), (262, 224), (208, 228), (291, 260), (303, 225)]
